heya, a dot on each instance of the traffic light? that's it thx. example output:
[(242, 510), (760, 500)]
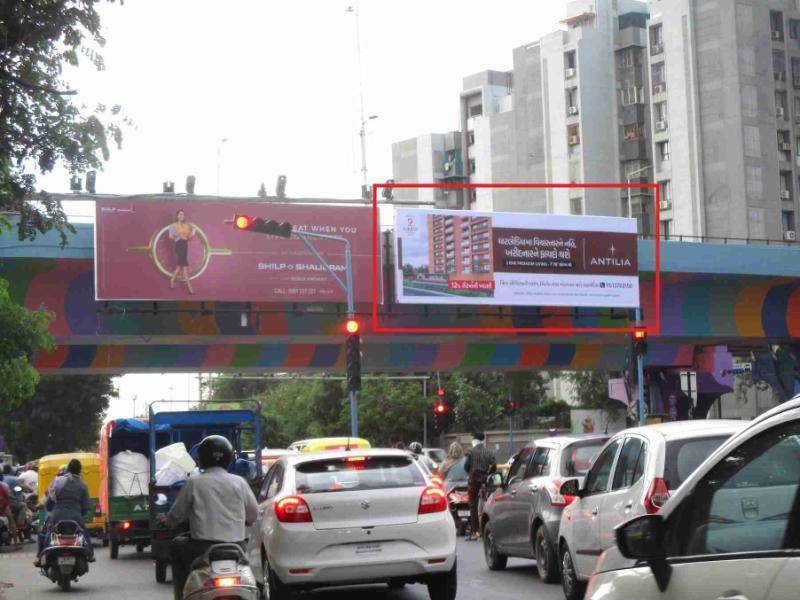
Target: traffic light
[(510, 407), (265, 226), (441, 412), (353, 358), (640, 341)]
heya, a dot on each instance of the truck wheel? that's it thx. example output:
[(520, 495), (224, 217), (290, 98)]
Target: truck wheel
[(161, 571), (114, 553)]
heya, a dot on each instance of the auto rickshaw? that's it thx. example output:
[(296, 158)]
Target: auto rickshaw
[(90, 474)]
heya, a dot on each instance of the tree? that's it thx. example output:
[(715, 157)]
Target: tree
[(41, 124), (64, 415), (591, 388), (389, 411), (22, 333)]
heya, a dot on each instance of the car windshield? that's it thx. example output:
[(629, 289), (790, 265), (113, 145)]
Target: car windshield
[(353, 473), (436, 455), (684, 456), (457, 472), (578, 457)]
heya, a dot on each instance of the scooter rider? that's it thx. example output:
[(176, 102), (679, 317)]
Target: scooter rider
[(217, 504)]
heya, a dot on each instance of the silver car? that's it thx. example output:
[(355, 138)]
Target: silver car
[(350, 518), (634, 475), (522, 517)]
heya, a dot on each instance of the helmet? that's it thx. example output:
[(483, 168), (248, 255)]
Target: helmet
[(415, 447), (215, 451)]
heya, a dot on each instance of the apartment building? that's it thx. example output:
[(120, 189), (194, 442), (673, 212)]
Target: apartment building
[(430, 158), (459, 246)]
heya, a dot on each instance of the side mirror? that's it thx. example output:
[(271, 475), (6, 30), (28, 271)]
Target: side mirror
[(642, 538), (570, 487), (495, 481)]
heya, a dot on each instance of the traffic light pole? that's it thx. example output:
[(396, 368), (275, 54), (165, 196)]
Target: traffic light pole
[(347, 287), (640, 376)]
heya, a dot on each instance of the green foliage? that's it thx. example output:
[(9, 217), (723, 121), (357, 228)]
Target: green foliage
[(390, 411), (64, 415), (591, 388), (40, 123), (22, 334)]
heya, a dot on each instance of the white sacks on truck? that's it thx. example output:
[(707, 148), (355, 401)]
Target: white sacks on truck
[(173, 464), (129, 473)]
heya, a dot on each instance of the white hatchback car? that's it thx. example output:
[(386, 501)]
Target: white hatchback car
[(732, 530), (349, 518), (633, 475)]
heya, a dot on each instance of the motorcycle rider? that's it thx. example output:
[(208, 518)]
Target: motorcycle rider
[(30, 476), (67, 500), (17, 501), (217, 504), (9, 503), (416, 449)]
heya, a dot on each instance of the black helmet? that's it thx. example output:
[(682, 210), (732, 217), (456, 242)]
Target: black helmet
[(415, 447), (215, 451)]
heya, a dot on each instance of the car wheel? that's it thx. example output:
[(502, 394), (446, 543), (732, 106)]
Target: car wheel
[(114, 549), (274, 589), (494, 560), (396, 584), (546, 559), (444, 585), (573, 587)]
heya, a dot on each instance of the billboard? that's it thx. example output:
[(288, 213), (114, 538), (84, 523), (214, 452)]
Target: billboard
[(466, 257), (184, 249)]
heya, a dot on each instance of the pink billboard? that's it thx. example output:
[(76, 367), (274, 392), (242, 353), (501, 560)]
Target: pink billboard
[(188, 250)]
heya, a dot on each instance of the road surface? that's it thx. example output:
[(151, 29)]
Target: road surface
[(131, 577)]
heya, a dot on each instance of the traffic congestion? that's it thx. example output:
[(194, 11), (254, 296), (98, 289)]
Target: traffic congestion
[(639, 514)]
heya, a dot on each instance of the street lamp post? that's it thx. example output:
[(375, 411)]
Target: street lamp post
[(363, 135), (219, 157), (362, 132)]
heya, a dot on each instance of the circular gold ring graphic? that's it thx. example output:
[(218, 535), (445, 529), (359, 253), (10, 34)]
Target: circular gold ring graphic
[(208, 251)]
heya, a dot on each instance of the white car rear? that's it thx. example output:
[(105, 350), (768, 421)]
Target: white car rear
[(344, 518)]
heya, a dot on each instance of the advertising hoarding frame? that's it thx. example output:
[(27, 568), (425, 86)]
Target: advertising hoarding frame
[(653, 329)]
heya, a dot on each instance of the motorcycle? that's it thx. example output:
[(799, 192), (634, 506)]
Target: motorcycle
[(458, 500), (222, 572), (5, 533), (25, 514), (65, 557)]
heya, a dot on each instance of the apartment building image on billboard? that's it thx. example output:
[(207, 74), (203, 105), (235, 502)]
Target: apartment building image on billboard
[(458, 261)]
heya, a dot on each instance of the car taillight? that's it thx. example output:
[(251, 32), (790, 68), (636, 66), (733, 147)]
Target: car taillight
[(553, 490), (292, 509), (432, 500), (657, 496), (226, 582), (125, 525)]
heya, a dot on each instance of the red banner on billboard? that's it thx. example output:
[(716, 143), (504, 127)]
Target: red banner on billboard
[(185, 250)]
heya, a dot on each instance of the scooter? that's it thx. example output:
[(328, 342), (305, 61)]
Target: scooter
[(5, 533), (458, 500), (222, 572), (25, 516), (65, 557)]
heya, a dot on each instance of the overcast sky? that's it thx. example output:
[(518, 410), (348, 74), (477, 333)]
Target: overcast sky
[(279, 80)]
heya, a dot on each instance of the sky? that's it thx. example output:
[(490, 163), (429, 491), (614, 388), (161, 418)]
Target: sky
[(279, 81)]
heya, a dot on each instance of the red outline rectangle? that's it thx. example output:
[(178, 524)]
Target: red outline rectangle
[(651, 330)]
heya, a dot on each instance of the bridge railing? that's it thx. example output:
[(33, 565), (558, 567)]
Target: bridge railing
[(707, 239)]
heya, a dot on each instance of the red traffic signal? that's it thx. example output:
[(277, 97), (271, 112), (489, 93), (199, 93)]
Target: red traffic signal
[(351, 326), (440, 392), (440, 408), (640, 334), (242, 221)]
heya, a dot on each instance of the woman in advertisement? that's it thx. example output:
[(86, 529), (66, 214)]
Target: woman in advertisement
[(181, 232)]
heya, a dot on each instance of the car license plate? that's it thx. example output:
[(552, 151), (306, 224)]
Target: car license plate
[(463, 513), (368, 549), (66, 560)]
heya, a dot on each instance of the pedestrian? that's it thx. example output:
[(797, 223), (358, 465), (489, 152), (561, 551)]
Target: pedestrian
[(480, 463), (454, 454), (417, 451)]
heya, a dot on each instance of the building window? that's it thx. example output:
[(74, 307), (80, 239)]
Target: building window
[(781, 106), (776, 25), (747, 61), (659, 81), (749, 100), (794, 29), (787, 220), (574, 134), (779, 65), (663, 150), (576, 206), (476, 110), (631, 95), (786, 185), (752, 141), (656, 40), (660, 111), (666, 190), (632, 132), (753, 181), (796, 73), (784, 146), (666, 229), (572, 101), (470, 137), (471, 166), (570, 64), (627, 58)]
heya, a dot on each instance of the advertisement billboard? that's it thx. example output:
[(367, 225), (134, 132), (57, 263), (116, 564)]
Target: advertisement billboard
[(185, 249), (466, 257)]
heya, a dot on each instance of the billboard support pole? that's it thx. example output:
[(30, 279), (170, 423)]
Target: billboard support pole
[(347, 287)]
